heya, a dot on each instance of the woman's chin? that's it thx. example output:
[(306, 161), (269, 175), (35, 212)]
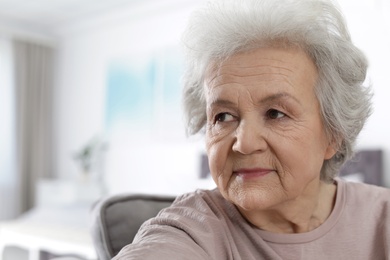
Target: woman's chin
[(252, 199)]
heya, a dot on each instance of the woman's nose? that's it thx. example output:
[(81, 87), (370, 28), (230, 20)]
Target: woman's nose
[(249, 138)]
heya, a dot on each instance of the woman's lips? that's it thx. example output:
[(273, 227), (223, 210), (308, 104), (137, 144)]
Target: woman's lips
[(252, 173)]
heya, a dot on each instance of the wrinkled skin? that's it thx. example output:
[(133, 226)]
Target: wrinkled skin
[(266, 141)]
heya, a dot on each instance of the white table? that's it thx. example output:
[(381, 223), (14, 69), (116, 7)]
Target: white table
[(37, 239), (59, 225)]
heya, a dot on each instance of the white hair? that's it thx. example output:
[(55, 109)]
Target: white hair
[(226, 27)]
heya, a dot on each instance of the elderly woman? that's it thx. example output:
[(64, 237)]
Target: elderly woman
[(277, 87)]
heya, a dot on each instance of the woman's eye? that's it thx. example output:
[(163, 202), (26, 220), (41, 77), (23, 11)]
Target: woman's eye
[(275, 114), (224, 117)]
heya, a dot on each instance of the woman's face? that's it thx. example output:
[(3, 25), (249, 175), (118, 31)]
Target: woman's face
[(265, 138)]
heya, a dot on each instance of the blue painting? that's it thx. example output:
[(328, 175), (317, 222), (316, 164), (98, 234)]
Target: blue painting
[(143, 96)]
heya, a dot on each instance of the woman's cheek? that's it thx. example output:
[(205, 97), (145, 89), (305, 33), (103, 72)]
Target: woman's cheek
[(221, 130), (218, 149), (217, 141)]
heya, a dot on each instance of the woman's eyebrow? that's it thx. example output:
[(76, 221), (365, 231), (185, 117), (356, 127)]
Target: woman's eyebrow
[(221, 102), (268, 99), (277, 96)]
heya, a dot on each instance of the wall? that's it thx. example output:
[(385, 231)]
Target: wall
[(85, 52), (369, 24), (85, 49)]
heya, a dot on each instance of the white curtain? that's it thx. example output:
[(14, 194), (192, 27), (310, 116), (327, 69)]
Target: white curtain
[(32, 117), (7, 133), (33, 70)]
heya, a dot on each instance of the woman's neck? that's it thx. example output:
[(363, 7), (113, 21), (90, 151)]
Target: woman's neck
[(299, 215)]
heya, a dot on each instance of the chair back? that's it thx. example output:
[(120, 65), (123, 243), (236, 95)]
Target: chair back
[(116, 220)]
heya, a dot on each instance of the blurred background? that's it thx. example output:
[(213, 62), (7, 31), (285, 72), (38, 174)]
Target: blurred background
[(90, 105)]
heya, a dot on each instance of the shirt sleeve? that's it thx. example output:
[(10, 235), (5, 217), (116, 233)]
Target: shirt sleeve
[(186, 230), (162, 242)]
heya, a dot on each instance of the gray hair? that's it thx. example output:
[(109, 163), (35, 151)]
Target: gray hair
[(226, 27)]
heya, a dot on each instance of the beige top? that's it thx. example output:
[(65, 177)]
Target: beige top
[(203, 225)]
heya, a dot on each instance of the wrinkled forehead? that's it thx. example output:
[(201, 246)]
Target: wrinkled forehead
[(292, 64)]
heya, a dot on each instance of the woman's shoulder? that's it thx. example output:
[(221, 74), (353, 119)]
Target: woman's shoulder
[(200, 202), (197, 194), (363, 189), (195, 222), (209, 196), (362, 194)]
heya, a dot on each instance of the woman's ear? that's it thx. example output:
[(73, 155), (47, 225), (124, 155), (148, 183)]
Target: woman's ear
[(331, 149)]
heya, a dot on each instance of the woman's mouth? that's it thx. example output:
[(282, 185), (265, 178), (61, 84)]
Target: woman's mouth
[(252, 173)]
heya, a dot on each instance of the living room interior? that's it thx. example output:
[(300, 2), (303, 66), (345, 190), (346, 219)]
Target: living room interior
[(90, 108)]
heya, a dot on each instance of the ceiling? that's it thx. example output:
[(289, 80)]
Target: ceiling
[(43, 14), (48, 16)]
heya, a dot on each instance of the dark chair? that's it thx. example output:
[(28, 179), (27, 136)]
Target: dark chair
[(368, 164), (116, 220)]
